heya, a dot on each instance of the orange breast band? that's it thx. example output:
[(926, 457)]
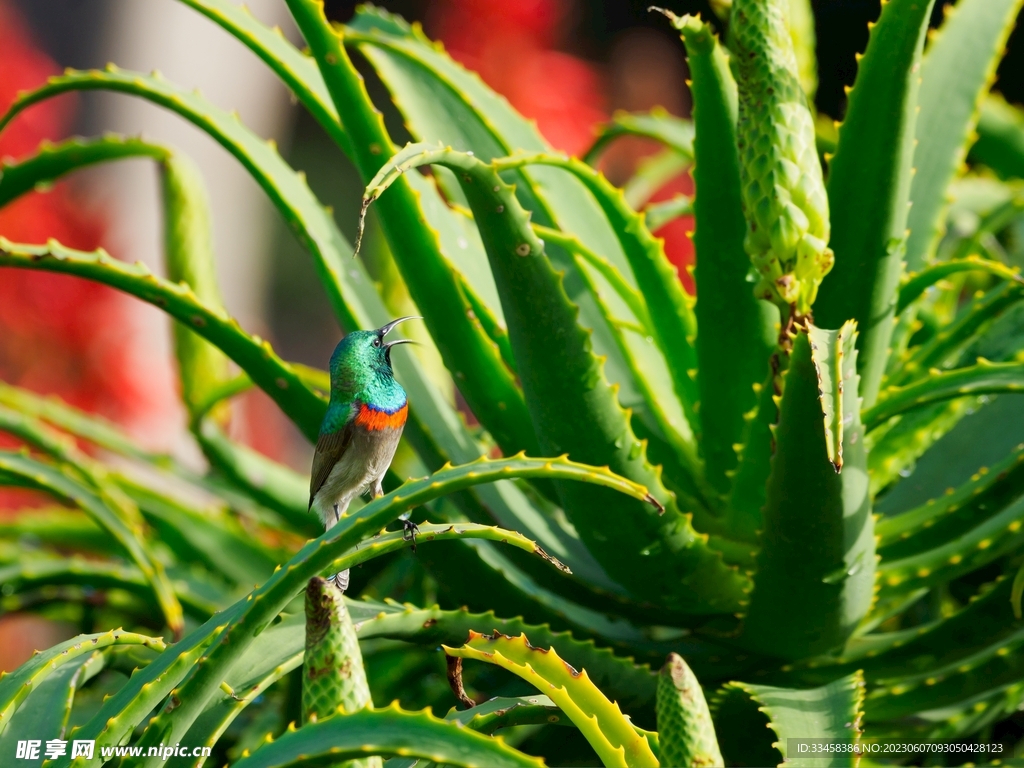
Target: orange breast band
[(370, 419)]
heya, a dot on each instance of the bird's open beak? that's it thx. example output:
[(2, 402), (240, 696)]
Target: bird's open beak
[(384, 330)]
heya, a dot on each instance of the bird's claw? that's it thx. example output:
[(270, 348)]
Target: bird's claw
[(409, 531)]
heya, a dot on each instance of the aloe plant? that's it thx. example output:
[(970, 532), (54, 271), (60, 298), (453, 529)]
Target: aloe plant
[(802, 486)]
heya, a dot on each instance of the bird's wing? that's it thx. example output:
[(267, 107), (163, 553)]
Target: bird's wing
[(330, 447)]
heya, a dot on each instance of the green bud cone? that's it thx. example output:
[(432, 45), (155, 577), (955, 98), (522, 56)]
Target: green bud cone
[(685, 730), (333, 677), (784, 196)]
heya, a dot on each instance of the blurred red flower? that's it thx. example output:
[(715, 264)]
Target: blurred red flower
[(58, 334)]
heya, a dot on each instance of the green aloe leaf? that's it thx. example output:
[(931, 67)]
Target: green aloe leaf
[(685, 730), (441, 101), (242, 622), (188, 254), (737, 331), (389, 732), (674, 132), (297, 70), (984, 378), (946, 346), (507, 712), (986, 618), (869, 186), (986, 541), (474, 360), (601, 721), (52, 161), (833, 712), (652, 173), (945, 517), (276, 652), (817, 490), (198, 599), (286, 188), (45, 711), (574, 409), (919, 282), (672, 323), (1000, 143), (274, 485), (62, 483), (632, 685), (304, 406), (996, 665), (17, 685), (956, 72), (657, 215)]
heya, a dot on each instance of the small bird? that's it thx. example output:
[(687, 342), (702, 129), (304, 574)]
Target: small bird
[(361, 429)]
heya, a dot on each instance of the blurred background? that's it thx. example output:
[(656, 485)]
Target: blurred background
[(568, 64)]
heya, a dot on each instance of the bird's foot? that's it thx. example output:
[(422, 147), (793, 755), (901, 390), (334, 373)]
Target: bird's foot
[(409, 531)]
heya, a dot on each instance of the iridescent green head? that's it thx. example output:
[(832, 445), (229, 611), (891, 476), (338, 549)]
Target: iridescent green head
[(362, 361)]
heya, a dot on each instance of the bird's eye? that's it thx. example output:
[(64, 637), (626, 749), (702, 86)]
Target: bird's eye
[(376, 341)]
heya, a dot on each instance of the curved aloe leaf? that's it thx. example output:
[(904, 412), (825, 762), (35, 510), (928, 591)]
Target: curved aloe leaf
[(818, 488), (296, 70), (632, 685), (505, 712), (985, 542), (833, 712), (737, 331), (242, 622), (275, 652), (983, 620), (602, 723), (574, 409), (46, 710), (997, 665), (919, 282), (16, 685), (1000, 143), (895, 449), (305, 407), (657, 215), (210, 536), (188, 254), (973, 320), (956, 72), (653, 173), (274, 485), (309, 220), (40, 572), (944, 518), (60, 482), (388, 732), (674, 132), (984, 378), (52, 161), (443, 102), (89, 427), (685, 731), (473, 359), (670, 308), (869, 186)]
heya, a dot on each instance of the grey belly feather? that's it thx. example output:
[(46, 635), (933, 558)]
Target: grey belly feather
[(359, 470)]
